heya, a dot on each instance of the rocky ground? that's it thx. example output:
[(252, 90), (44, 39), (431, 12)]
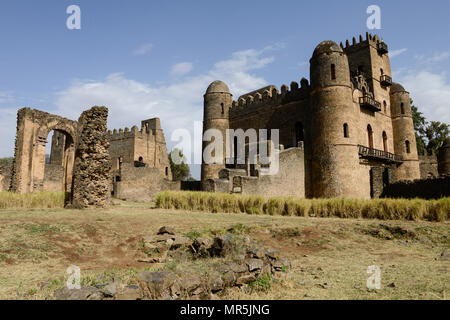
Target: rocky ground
[(123, 253)]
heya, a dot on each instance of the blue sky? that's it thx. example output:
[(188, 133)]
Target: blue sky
[(155, 58)]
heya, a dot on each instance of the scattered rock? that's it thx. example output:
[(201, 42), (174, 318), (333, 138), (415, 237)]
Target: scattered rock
[(179, 242), (110, 289), (200, 247), (445, 255), (254, 264), (216, 283), (84, 293), (129, 293), (159, 285), (221, 246), (392, 285), (245, 279), (166, 230)]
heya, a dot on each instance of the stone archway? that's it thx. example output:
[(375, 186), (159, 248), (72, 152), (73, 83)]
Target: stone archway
[(33, 128)]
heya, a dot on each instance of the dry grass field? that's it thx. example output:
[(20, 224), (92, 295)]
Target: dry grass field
[(329, 256)]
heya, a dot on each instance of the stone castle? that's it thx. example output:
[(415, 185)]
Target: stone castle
[(347, 133)]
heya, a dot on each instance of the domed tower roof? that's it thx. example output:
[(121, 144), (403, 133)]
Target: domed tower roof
[(218, 87), (327, 46), (396, 87)]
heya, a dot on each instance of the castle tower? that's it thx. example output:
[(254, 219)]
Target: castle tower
[(404, 135), (444, 158), (335, 159), (217, 103), (369, 57)]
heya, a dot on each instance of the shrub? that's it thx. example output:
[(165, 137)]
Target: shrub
[(384, 209)]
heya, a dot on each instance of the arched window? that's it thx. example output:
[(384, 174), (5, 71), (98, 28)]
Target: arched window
[(402, 108), (346, 135), (385, 106), (370, 136), (381, 71), (408, 147), (223, 108), (167, 171), (333, 72), (299, 134), (385, 144)]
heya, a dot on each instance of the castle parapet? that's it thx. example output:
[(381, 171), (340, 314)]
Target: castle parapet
[(269, 97), (370, 39)]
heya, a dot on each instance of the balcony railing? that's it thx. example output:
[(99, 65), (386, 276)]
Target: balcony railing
[(385, 80), (375, 154), (370, 103), (382, 48)]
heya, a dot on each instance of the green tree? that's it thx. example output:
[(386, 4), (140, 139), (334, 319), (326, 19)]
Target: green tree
[(429, 135), (180, 170)]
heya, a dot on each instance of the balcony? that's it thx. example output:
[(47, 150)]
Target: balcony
[(382, 48), (386, 81), (380, 155), (370, 103)]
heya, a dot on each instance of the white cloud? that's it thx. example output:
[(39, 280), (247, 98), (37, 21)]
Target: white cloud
[(398, 52), (143, 49), (437, 57), (430, 92), (181, 69), (178, 104)]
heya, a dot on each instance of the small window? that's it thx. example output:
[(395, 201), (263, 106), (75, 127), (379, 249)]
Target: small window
[(385, 106), (408, 147), (381, 71), (141, 159), (402, 108), (346, 135), (223, 108), (385, 141), (333, 72), (167, 171), (370, 136)]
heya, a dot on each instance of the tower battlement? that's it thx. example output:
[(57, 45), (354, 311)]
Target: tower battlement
[(355, 44), (255, 100)]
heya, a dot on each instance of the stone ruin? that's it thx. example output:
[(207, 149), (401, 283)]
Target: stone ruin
[(81, 159), (241, 263)]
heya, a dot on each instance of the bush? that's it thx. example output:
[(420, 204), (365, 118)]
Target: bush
[(384, 209)]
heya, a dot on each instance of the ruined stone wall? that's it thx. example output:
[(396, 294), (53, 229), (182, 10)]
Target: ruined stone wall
[(54, 178), (141, 183), (428, 166), (5, 176), (433, 188), (91, 183), (148, 143), (288, 181)]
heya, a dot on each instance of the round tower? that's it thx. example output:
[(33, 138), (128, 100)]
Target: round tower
[(217, 103), (444, 158), (404, 134), (335, 160)]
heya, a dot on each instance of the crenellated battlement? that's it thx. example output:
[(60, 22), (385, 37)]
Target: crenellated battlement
[(126, 133), (270, 97), (355, 43)]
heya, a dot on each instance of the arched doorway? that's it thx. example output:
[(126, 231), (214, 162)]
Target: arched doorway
[(59, 161)]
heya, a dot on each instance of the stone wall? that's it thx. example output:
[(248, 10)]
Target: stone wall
[(53, 178), (288, 181), (428, 166), (433, 188), (91, 183), (5, 176), (141, 183)]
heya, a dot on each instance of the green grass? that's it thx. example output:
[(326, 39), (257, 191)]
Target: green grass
[(385, 209), (38, 200)]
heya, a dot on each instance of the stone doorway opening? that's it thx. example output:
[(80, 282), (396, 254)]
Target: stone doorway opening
[(59, 160)]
